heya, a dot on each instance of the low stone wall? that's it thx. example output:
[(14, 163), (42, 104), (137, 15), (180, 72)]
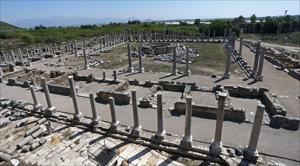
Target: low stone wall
[(14, 82), (279, 121), (210, 112), (120, 98), (61, 90)]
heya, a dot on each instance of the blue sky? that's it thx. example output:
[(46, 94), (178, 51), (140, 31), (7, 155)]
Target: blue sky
[(15, 10)]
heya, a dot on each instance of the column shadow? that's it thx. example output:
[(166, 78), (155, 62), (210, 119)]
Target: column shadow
[(219, 80), (179, 77), (130, 74), (166, 76), (252, 82)]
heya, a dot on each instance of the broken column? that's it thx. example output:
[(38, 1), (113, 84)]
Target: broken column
[(187, 71), (115, 75), (35, 102), (137, 128), (51, 109), (21, 57), (216, 146), (86, 63), (95, 117), (187, 139), (160, 134), (141, 68), (78, 115), (241, 47), (259, 76), (257, 52), (174, 71), (114, 122), (227, 65), (13, 55), (130, 68), (250, 153)]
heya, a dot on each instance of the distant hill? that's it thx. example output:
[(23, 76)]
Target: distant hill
[(4, 27)]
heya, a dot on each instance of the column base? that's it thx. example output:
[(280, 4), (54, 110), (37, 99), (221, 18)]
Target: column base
[(186, 142), (226, 75), (130, 69), (174, 72), (188, 73), (141, 70), (258, 78), (160, 135), (136, 131), (215, 148), (250, 155), (114, 126), (50, 111), (78, 117), (37, 107), (95, 121)]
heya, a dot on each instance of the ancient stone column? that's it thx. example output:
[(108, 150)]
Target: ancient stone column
[(174, 70), (86, 63), (95, 117), (216, 146), (257, 52), (115, 75), (187, 139), (259, 75), (227, 66), (13, 55), (137, 128), (130, 68), (104, 75), (75, 48), (141, 68), (187, 71), (114, 122), (34, 98), (160, 134), (51, 109), (250, 152), (21, 56), (78, 115), (241, 46), (233, 41)]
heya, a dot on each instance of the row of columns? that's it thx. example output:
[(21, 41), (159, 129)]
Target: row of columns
[(187, 71), (216, 147)]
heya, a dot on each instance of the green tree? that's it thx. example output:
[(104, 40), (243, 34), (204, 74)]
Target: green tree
[(253, 19), (197, 21)]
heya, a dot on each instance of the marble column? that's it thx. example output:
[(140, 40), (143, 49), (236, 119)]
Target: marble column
[(51, 109), (95, 117), (137, 128), (13, 55), (257, 52), (216, 146), (160, 134), (115, 75), (78, 115), (251, 153), (114, 122), (259, 75), (34, 98), (187, 139), (21, 57), (241, 46), (130, 68), (187, 71), (174, 70), (227, 65), (141, 68), (86, 63)]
